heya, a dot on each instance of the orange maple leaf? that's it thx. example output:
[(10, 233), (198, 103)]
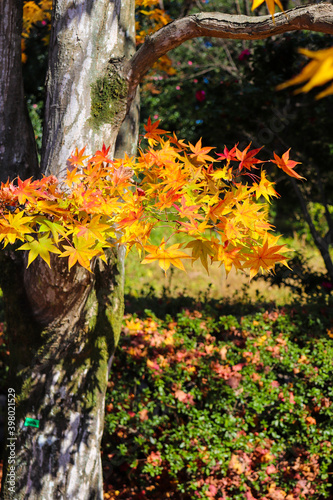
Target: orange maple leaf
[(287, 165), (152, 130), (132, 217), (264, 257), (200, 153), (73, 176), (77, 157), (167, 198), (101, 156), (231, 229), (25, 190), (229, 256), (191, 212), (180, 144), (122, 175), (193, 228)]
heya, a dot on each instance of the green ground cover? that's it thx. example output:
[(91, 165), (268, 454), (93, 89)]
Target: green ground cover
[(221, 400)]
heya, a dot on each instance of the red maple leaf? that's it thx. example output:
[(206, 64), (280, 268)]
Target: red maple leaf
[(228, 154), (247, 158)]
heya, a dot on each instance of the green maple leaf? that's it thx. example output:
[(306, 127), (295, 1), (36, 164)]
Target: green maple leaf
[(56, 228)]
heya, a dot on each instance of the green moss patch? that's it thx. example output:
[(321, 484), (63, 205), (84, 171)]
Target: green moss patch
[(108, 98)]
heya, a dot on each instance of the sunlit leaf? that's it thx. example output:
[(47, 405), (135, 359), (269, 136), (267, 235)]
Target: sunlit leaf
[(165, 256)]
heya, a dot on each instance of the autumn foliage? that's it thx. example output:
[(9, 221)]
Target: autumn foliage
[(99, 202)]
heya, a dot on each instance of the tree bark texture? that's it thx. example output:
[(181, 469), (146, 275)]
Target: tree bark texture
[(62, 379), (86, 86)]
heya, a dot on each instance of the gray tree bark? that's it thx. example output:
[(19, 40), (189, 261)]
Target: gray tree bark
[(86, 85), (64, 325)]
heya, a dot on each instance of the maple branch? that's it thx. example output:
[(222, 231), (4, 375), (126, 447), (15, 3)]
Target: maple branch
[(216, 24)]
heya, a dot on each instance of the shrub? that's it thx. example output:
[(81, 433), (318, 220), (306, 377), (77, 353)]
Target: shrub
[(203, 405)]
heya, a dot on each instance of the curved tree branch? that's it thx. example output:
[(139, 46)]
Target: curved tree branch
[(215, 24)]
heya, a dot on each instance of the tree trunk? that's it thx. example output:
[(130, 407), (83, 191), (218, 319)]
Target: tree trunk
[(18, 153), (64, 385), (86, 81), (322, 243), (64, 325)]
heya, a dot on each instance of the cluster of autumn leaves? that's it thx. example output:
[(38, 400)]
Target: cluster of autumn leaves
[(103, 202), (99, 203)]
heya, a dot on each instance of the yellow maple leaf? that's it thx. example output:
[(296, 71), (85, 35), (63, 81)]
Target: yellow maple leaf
[(270, 5), (15, 227), (41, 247), (92, 229), (165, 256), (224, 173), (133, 324), (264, 188), (202, 249), (81, 252), (247, 213)]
